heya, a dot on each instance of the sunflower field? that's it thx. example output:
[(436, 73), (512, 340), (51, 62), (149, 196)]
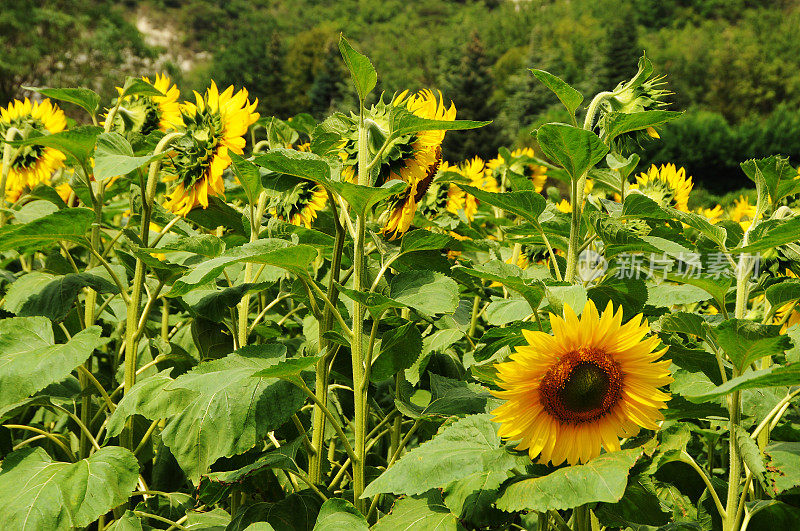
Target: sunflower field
[(212, 319)]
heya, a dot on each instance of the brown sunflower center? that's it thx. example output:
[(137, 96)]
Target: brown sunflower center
[(583, 386)]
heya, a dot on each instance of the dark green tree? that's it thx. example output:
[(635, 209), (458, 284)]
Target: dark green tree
[(326, 89), (622, 50), (471, 87), (255, 62)]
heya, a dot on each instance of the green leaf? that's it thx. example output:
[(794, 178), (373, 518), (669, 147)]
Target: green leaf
[(248, 175), (87, 99), (218, 213), (769, 515), (296, 511), (204, 244), (400, 348), (638, 205), (402, 122), (512, 277), (375, 302), (525, 203), (618, 123), (288, 369), (472, 498), (364, 75), (684, 323), (419, 513), (51, 296), (423, 240), (113, 156), (137, 85), (363, 198), (501, 312), (427, 292), (776, 173), (570, 97), (716, 287), (783, 460), (603, 479), (775, 376), (300, 164), (574, 149), (214, 304), (629, 293), (147, 398), (468, 446), (715, 233), (78, 142), (668, 296), (639, 505), (337, 514), (745, 341), (784, 292), (224, 410), (128, 522), (70, 224), (280, 253), (39, 493), (772, 233), (30, 360)]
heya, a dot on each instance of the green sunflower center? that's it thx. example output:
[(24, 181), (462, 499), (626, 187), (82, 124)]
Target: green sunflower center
[(582, 386), (31, 154), (585, 389), (138, 115), (198, 147), (659, 191)]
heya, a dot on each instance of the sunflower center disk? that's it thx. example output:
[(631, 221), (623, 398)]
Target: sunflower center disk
[(583, 386)]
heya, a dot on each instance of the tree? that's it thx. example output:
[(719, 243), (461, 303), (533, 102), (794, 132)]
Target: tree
[(622, 51), (256, 63), (326, 89), (471, 86)]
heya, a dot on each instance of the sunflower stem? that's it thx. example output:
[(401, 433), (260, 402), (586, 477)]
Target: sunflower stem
[(132, 324), (244, 305), (357, 346), (574, 232), (321, 378), (9, 155)]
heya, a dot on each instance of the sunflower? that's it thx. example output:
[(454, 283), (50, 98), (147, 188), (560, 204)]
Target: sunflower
[(666, 185), (34, 164), (300, 205), (780, 314), (742, 212), (535, 172), (594, 380), (144, 114), (215, 124), (713, 215), (564, 206)]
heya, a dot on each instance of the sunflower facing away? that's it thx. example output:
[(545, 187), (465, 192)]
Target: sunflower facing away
[(214, 125), (300, 205), (442, 196), (419, 166), (591, 382), (144, 114), (666, 185), (34, 164), (535, 172)]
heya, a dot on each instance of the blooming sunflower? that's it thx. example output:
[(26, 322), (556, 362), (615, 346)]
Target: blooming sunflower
[(742, 212), (34, 164), (571, 393), (214, 125), (666, 185), (713, 215), (520, 164), (780, 314)]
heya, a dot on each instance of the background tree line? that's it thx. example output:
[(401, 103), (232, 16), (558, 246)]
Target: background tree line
[(733, 64)]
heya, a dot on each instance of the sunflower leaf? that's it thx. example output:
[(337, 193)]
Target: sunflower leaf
[(427, 292), (420, 513), (574, 149), (785, 291), (78, 142), (336, 514), (39, 493), (618, 123), (31, 360), (136, 85), (280, 253), (772, 233), (403, 122), (570, 97), (525, 203), (775, 376), (113, 156), (745, 341), (248, 175), (364, 75), (468, 446), (88, 100), (603, 479)]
